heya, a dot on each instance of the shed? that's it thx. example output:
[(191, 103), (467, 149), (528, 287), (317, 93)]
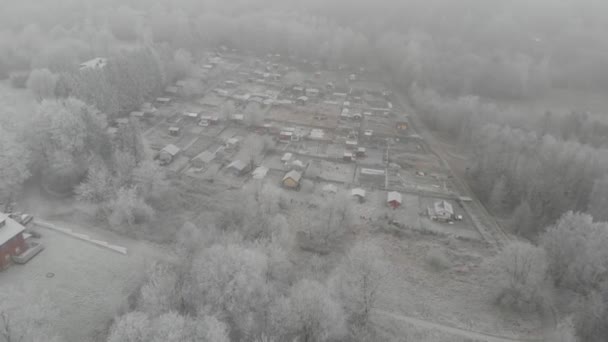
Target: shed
[(302, 100), (260, 172), (163, 100), (137, 114), (191, 115), (330, 188), (291, 180), (12, 242), (361, 152), (359, 194), (238, 117), (174, 130), (394, 199), (443, 210), (238, 167), (172, 90), (167, 154), (286, 157), (348, 156)]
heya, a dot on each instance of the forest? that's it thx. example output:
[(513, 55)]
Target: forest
[(460, 64)]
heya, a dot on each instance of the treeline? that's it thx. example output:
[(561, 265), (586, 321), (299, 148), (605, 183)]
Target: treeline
[(236, 278), (570, 263)]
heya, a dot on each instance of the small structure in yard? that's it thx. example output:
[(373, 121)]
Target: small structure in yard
[(330, 188), (148, 109), (442, 211), (302, 100), (312, 92), (168, 153), (286, 136), (171, 90), (372, 172), (286, 157), (137, 114), (394, 199), (368, 132), (361, 152), (239, 167), (348, 156), (190, 115), (12, 242), (163, 100), (359, 194), (239, 118), (351, 144), (203, 159), (232, 143), (260, 172), (317, 134), (401, 125), (95, 63), (174, 130), (297, 165), (291, 180)]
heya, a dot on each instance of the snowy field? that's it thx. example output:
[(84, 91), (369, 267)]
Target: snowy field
[(89, 283)]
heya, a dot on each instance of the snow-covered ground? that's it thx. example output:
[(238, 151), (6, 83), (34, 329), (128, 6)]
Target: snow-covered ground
[(89, 283)]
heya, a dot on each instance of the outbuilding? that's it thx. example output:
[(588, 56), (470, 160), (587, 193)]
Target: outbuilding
[(394, 199), (239, 167), (291, 180), (167, 154), (359, 194), (260, 172), (12, 242)]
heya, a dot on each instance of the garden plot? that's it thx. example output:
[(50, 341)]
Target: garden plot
[(335, 172)]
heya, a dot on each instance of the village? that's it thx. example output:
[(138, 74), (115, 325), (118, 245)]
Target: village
[(318, 135), (308, 130)]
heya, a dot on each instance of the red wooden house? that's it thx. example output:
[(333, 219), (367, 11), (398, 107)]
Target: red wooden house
[(11, 240)]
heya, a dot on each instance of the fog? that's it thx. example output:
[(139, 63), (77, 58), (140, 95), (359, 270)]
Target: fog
[(317, 170)]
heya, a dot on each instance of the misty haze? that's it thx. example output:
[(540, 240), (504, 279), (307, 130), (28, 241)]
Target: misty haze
[(304, 171)]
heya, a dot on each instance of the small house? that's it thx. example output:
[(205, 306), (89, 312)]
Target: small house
[(190, 115), (394, 199), (330, 188), (317, 134), (348, 156), (232, 143), (368, 132), (171, 90), (302, 100), (137, 114), (239, 167), (260, 172), (12, 241), (95, 63), (168, 153), (359, 194), (238, 118), (291, 180), (361, 152), (286, 157), (163, 100), (286, 136), (351, 144), (401, 125), (443, 211), (312, 92), (174, 130)]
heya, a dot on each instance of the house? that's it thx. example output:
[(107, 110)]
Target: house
[(12, 242), (401, 125), (190, 115), (348, 156), (361, 152), (312, 92), (239, 167), (212, 119), (302, 100), (443, 211), (203, 159), (167, 154), (351, 144), (260, 172), (317, 134), (368, 132), (330, 188), (359, 194), (137, 114), (286, 136), (163, 100), (95, 63), (238, 117), (286, 157), (171, 90), (291, 180), (393, 199), (174, 130), (232, 143), (148, 109)]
